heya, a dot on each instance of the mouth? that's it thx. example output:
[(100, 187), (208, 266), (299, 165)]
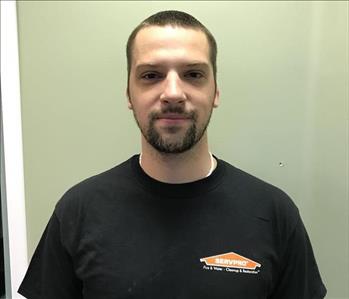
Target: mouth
[(173, 117)]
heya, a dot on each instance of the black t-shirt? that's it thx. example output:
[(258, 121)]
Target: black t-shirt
[(122, 234)]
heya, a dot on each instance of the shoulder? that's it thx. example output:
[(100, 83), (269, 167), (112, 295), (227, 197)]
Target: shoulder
[(261, 199), (86, 192)]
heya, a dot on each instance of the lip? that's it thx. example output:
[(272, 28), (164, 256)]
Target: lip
[(172, 119), (172, 116)]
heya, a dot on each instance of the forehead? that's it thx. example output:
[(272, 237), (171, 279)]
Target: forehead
[(155, 44)]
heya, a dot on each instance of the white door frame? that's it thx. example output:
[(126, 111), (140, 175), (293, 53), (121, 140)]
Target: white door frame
[(15, 238)]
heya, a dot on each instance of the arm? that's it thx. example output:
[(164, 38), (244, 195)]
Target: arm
[(299, 275), (51, 272)]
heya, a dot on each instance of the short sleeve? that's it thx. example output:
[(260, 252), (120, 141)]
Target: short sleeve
[(51, 273), (299, 275)]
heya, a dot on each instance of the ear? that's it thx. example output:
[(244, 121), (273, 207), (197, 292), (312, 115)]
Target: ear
[(216, 99), (129, 104)]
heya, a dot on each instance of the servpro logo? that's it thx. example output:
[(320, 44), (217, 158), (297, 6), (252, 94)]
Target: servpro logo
[(230, 262)]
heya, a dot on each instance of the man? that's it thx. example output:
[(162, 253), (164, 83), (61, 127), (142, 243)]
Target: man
[(174, 221)]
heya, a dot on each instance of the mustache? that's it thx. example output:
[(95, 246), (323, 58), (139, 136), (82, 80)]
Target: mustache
[(173, 110)]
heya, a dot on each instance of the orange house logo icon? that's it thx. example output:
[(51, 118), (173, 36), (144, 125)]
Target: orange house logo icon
[(230, 260)]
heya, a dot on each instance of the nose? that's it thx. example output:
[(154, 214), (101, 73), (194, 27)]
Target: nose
[(173, 89)]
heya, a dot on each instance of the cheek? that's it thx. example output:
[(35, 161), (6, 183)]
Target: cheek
[(204, 112), (142, 100), (141, 115)]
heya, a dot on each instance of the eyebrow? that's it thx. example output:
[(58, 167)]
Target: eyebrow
[(158, 65), (198, 64)]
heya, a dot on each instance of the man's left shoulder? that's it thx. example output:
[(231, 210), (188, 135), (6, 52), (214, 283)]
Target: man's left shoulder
[(261, 198)]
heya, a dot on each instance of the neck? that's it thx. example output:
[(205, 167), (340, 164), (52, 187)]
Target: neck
[(192, 165)]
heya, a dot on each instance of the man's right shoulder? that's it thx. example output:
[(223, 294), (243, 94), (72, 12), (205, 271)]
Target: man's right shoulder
[(104, 183)]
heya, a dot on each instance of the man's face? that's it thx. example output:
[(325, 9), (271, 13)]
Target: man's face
[(171, 87)]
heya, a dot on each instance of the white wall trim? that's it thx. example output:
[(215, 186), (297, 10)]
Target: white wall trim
[(12, 147)]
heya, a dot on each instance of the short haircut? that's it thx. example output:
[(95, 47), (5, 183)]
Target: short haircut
[(173, 18)]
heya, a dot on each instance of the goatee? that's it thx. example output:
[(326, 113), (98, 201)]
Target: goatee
[(170, 145)]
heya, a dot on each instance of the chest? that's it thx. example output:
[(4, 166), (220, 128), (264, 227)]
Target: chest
[(176, 254)]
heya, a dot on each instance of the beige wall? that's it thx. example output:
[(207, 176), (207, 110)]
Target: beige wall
[(282, 72)]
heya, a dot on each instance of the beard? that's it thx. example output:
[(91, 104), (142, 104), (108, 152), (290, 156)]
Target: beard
[(174, 144)]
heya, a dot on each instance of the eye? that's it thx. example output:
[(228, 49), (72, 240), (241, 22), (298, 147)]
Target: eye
[(194, 75), (150, 76)]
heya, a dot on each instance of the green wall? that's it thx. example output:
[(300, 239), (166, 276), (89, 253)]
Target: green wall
[(282, 73)]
